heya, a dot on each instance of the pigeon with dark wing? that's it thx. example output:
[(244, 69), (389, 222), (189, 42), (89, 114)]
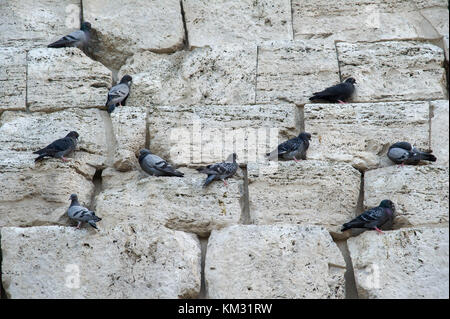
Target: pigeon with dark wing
[(78, 39), (118, 94), (59, 148), (374, 218), (81, 214), (337, 93), (155, 165), (404, 153), (220, 171), (292, 149)]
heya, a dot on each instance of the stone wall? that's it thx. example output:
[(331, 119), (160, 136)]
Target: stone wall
[(211, 77)]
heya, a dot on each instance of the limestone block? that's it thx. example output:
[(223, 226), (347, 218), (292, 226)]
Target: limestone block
[(290, 70), (206, 134), (308, 192), (276, 261), (420, 193), (220, 74), (65, 78), (129, 261), (220, 21), (394, 70), (402, 264), (361, 133), (439, 131), (12, 79)]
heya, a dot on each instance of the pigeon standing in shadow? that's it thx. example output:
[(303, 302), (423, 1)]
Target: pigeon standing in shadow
[(155, 165), (293, 149), (81, 214), (118, 94), (404, 153), (59, 148), (78, 39), (337, 93), (220, 171)]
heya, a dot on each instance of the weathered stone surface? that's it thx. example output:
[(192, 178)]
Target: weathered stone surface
[(311, 192), (30, 24), (209, 75), (129, 261), (125, 27), (394, 70), (289, 70), (205, 134), (273, 261), (175, 202), (439, 131), (438, 17), (12, 79), (220, 21), (420, 193), (351, 20), (65, 78), (406, 263), (360, 134)]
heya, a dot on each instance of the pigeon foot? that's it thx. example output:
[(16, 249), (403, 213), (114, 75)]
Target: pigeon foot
[(378, 230), (296, 160), (64, 159), (342, 102)]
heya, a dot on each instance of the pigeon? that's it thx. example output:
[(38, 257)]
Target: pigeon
[(118, 94), (374, 218), (404, 153), (337, 93), (155, 165), (220, 171), (81, 214), (78, 39), (59, 148), (291, 149)]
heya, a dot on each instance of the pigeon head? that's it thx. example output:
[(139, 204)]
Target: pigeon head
[(387, 204), (350, 80), (231, 158), (126, 79), (305, 136), (73, 134), (85, 26), (73, 197), (144, 152)]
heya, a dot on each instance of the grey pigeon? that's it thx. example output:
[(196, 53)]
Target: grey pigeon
[(220, 171), (374, 218), (155, 165), (78, 39), (118, 94), (81, 214), (59, 148), (292, 149), (337, 93), (404, 153)]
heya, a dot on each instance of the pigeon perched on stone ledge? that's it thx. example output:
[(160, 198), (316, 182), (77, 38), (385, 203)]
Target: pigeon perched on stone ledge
[(78, 39), (220, 171), (404, 153), (293, 149), (337, 93), (81, 214), (118, 94), (59, 148), (155, 165)]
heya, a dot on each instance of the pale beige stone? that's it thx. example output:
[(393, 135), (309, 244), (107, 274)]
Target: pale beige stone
[(130, 261), (420, 193), (394, 70), (360, 134), (438, 17), (273, 261), (402, 264), (307, 192), (439, 131), (13, 80), (221, 21)]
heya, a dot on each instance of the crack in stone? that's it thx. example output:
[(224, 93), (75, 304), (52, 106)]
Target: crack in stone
[(203, 289)]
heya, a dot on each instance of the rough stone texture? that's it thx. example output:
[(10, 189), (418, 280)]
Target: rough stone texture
[(27, 24), (394, 70), (439, 131), (209, 133), (420, 193), (12, 79), (276, 261), (209, 75), (288, 70), (125, 27), (407, 263), (65, 78), (438, 17), (135, 196), (130, 261), (311, 192), (222, 21), (360, 134), (353, 21)]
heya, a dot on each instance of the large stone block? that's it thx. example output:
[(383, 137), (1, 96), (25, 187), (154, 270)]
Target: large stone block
[(209, 75), (394, 70), (308, 192), (420, 193), (220, 21), (13, 79), (360, 134), (273, 261), (129, 261), (439, 131), (65, 78), (402, 264), (290, 70)]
